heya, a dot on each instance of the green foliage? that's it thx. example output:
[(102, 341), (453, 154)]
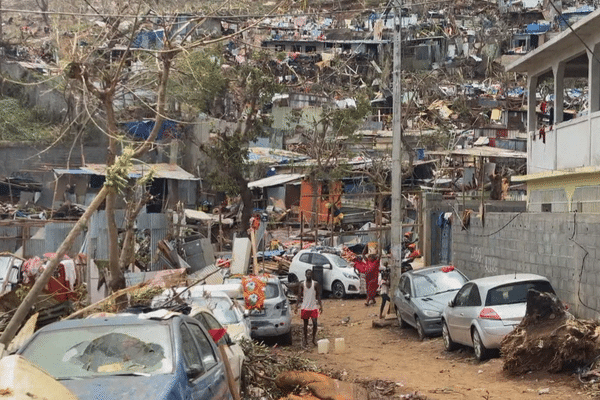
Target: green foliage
[(200, 80), (20, 123)]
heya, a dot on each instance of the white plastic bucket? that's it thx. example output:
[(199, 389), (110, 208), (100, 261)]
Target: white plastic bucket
[(340, 345), (323, 346)]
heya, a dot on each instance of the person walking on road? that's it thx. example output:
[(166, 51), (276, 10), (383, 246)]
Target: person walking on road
[(369, 267), (310, 298)]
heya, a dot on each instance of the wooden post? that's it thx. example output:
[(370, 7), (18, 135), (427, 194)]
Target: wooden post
[(301, 228), (254, 257), (229, 373)]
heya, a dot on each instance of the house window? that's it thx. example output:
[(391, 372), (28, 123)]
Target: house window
[(296, 48), (279, 47), (546, 207), (311, 49)]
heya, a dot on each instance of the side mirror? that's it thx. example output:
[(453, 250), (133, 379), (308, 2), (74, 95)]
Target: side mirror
[(451, 303), (328, 266), (246, 313), (228, 340), (194, 371), (406, 296)]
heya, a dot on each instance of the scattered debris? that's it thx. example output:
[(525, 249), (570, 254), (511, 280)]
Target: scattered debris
[(550, 339)]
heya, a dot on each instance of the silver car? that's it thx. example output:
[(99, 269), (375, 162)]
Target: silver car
[(275, 319), (485, 310), (422, 295)]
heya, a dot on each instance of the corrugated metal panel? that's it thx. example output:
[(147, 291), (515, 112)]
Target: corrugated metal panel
[(34, 247), (159, 226), (162, 170), (56, 232), (274, 180), (8, 238)]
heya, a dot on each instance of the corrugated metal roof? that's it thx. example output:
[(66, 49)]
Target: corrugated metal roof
[(482, 151), (162, 170), (274, 180)]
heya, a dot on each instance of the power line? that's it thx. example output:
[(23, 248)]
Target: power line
[(212, 15)]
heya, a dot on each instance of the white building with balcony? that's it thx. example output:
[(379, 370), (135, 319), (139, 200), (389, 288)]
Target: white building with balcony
[(564, 166)]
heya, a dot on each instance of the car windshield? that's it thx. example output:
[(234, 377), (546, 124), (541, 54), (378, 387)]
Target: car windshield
[(514, 293), (222, 309), (103, 350), (339, 261), (437, 282)]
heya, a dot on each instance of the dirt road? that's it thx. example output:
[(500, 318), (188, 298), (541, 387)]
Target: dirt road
[(397, 355)]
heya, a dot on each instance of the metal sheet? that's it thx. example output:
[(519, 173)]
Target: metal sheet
[(274, 180), (161, 170)]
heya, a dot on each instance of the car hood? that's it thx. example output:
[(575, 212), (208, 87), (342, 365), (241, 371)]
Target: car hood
[(124, 387), (436, 302)]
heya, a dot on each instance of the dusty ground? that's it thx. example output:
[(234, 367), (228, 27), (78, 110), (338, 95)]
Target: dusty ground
[(397, 355)]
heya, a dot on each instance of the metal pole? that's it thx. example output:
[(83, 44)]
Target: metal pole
[(396, 217)]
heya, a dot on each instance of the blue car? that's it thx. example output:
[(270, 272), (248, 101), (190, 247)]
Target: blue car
[(147, 356)]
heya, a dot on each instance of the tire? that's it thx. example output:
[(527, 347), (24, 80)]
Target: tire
[(337, 290), (449, 344), (420, 330), (292, 278), (286, 339), (401, 322), (481, 352)]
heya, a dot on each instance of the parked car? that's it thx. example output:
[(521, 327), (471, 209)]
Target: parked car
[(156, 355), (233, 349), (485, 310), (422, 294), (339, 277), (275, 319)]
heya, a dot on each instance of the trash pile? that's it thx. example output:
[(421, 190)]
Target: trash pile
[(550, 339), (273, 374)]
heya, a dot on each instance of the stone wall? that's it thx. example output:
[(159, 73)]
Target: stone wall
[(564, 247)]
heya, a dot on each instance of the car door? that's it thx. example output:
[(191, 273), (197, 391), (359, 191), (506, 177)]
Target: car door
[(404, 306), (321, 261), (212, 383), (234, 353), (457, 318), (304, 263)]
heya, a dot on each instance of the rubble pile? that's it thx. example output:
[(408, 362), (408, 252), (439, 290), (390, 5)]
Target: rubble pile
[(262, 365), (550, 339)]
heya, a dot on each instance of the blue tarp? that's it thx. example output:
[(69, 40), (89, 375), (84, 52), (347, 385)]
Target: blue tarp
[(142, 129), (537, 28), (149, 40)]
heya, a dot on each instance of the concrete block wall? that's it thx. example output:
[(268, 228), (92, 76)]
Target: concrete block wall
[(564, 247)]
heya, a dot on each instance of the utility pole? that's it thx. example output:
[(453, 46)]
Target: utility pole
[(396, 230)]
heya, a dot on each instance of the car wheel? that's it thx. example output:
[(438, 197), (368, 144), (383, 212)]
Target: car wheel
[(420, 330), (286, 339), (481, 352), (449, 344), (337, 290), (292, 278), (401, 322)]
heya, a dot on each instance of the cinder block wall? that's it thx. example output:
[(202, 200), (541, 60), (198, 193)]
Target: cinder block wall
[(564, 247)]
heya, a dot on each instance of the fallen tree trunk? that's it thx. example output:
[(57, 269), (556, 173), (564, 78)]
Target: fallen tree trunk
[(549, 338)]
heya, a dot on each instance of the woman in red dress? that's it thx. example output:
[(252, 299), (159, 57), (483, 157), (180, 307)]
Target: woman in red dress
[(369, 267)]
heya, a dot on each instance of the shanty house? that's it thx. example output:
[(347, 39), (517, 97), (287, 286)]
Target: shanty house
[(563, 157), (171, 184)]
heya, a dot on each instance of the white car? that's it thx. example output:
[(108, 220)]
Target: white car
[(229, 312), (339, 276), (486, 309)]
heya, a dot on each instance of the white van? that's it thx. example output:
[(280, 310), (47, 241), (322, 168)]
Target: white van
[(339, 276)]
